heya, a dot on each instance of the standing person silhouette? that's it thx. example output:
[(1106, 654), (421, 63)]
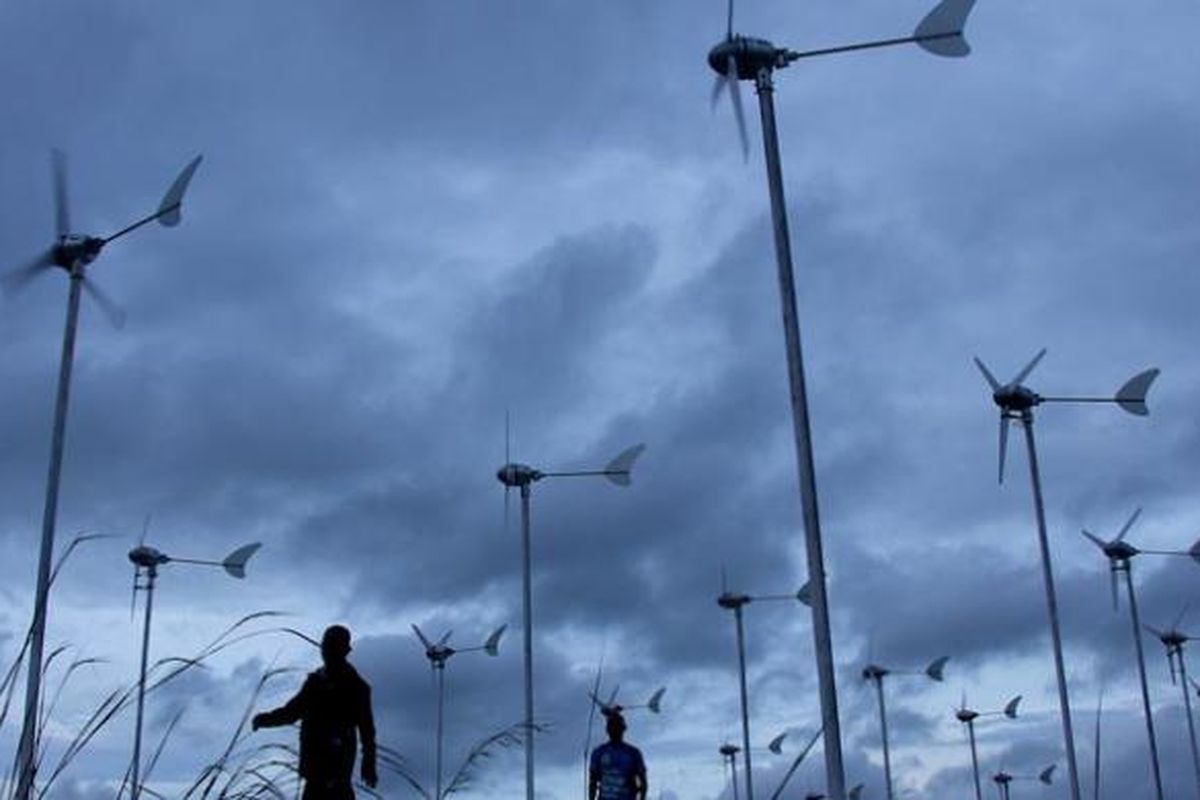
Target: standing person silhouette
[(616, 770), (333, 704)]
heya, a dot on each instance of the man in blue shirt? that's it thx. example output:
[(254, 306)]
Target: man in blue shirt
[(616, 770)]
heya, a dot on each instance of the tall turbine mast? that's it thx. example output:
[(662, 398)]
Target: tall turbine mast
[(875, 674), (71, 252), (1016, 403), (739, 58)]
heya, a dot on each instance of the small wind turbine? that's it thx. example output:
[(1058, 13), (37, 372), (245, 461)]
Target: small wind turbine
[(738, 58), (735, 602), (71, 252), (522, 477), (1120, 555), (1016, 403), (876, 674), (776, 747), (1174, 640), (611, 706), (438, 654), (967, 716), (1003, 779), (146, 561), (729, 754)]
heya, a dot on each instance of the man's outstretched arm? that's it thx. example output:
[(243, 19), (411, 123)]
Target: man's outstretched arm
[(286, 714)]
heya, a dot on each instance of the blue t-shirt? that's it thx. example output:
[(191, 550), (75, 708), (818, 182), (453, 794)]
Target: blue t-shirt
[(614, 766)]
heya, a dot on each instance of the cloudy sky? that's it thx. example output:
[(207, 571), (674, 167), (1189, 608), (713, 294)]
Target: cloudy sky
[(414, 217)]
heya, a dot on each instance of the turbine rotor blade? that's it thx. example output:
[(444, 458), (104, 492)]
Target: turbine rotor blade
[(1003, 444), (948, 16), (1010, 709), (17, 279), (717, 90), (111, 310), (428, 645), (492, 645), (1094, 539), (739, 114), (445, 637), (987, 374), (1132, 396), (1024, 373), (170, 210), (1132, 519), (618, 470), (1112, 583), (62, 211), (235, 562), (935, 670)]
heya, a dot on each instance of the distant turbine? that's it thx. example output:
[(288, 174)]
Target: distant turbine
[(1120, 555), (71, 252), (735, 602), (876, 674), (796, 762), (1016, 403), (523, 476), (968, 716), (146, 561), (729, 753), (1173, 640), (438, 654), (1003, 779)]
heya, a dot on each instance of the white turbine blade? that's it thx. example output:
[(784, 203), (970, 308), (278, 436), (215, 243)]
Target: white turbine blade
[(1159, 633), (171, 207), (948, 16), (1010, 709), (612, 697), (62, 211), (133, 595), (235, 562), (425, 642), (717, 89), (655, 702), (739, 114), (935, 669), (109, 307), (1003, 444), (987, 374), (776, 745), (618, 470), (492, 645), (17, 279), (1132, 519), (1113, 589), (1046, 776), (445, 637), (1094, 539), (1132, 396), (1024, 373)]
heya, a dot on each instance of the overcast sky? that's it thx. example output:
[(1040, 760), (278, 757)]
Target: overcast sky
[(414, 217)]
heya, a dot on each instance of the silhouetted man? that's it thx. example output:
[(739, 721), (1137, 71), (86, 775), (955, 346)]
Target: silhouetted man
[(333, 704), (616, 771)]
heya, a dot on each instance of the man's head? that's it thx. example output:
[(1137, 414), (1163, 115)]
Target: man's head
[(335, 644), (615, 726)]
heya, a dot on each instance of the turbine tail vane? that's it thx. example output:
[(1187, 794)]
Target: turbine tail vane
[(492, 645), (171, 208), (235, 562), (1046, 776), (776, 745), (1132, 396), (619, 469), (1010, 709), (935, 669), (947, 17), (655, 702)]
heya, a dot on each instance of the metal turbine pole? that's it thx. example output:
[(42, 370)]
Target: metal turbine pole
[(441, 682), (1026, 418), (741, 647), (1127, 567), (27, 748), (876, 674), (974, 759), (1187, 704), (527, 644), (135, 789), (822, 640)]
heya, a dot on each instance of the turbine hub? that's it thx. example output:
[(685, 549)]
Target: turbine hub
[(732, 601), (147, 557), (517, 475), (874, 672), (966, 715), (1015, 398), (74, 249), (750, 55)]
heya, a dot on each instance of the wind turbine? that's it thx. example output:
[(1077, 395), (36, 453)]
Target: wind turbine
[(735, 602), (729, 753), (1016, 403), (1174, 640), (875, 673), (72, 252), (739, 58), (1003, 779), (611, 706), (967, 716), (146, 561), (438, 654), (522, 477), (1120, 555), (796, 762)]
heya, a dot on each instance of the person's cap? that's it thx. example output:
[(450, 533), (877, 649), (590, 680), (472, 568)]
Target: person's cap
[(336, 639)]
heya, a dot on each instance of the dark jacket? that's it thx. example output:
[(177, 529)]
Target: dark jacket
[(332, 705)]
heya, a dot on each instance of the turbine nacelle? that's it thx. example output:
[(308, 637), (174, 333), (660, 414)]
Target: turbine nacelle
[(733, 601), (518, 475), (966, 715), (75, 249), (1015, 399), (729, 750), (746, 56), (874, 672), (146, 557)]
